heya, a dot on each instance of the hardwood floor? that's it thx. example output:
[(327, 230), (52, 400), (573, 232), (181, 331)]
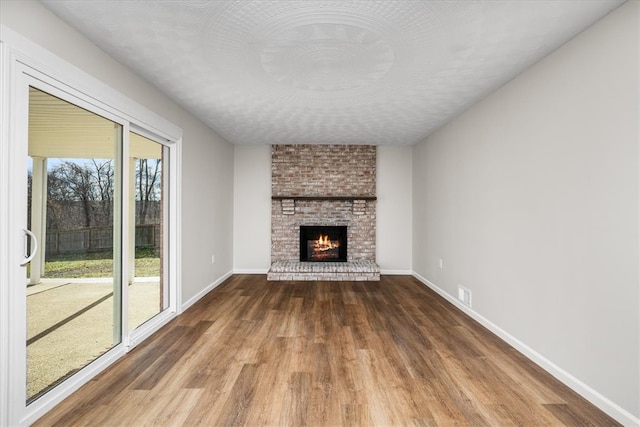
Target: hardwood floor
[(392, 352)]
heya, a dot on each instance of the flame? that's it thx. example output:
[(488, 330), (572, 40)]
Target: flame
[(324, 243)]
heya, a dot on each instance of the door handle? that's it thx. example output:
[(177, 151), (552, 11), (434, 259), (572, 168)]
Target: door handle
[(34, 249)]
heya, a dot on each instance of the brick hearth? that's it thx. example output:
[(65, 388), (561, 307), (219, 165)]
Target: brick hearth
[(323, 185), (352, 270)]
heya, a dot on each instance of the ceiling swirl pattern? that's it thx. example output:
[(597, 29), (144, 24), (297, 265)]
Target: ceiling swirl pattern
[(326, 57), (329, 72)]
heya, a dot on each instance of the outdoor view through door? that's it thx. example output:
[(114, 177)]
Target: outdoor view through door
[(76, 184), (148, 295)]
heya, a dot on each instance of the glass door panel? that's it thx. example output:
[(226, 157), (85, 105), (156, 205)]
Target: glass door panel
[(74, 210), (148, 293)]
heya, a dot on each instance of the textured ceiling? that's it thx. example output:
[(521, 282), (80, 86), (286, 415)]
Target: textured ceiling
[(329, 72)]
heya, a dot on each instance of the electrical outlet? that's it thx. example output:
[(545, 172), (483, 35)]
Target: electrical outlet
[(213, 259), (440, 263), (464, 295)]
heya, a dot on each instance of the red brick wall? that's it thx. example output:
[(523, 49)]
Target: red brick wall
[(322, 170)]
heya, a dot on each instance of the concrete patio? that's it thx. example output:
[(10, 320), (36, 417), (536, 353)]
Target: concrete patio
[(71, 324)]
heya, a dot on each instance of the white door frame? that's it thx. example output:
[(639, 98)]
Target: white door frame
[(23, 63)]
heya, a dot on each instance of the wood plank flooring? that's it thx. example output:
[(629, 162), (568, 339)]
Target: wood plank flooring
[(393, 352)]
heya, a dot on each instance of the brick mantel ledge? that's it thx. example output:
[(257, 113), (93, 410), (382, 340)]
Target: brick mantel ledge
[(324, 198)]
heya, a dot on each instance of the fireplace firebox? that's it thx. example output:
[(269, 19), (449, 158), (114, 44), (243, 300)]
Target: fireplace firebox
[(323, 243)]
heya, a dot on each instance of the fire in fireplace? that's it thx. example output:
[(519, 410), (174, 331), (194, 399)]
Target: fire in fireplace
[(326, 243)]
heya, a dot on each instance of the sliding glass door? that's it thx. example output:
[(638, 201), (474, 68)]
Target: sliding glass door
[(73, 282), (92, 208), (148, 181)]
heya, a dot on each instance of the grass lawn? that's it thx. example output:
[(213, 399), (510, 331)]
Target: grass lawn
[(98, 264)]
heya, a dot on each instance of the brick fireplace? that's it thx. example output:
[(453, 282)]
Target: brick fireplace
[(320, 186)]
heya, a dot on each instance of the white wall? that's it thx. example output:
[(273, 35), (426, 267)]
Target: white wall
[(252, 209), (531, 199), (252, 215), (393, 229), (207, 179)]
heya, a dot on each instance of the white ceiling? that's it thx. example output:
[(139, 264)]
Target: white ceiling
[(329, 72)]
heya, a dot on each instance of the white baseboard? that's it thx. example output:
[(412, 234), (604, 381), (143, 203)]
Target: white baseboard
[(612, 409), (396, 272), (250, 270), (205, 291)]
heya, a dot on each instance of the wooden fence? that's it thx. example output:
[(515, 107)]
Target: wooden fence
[(95, 239)]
